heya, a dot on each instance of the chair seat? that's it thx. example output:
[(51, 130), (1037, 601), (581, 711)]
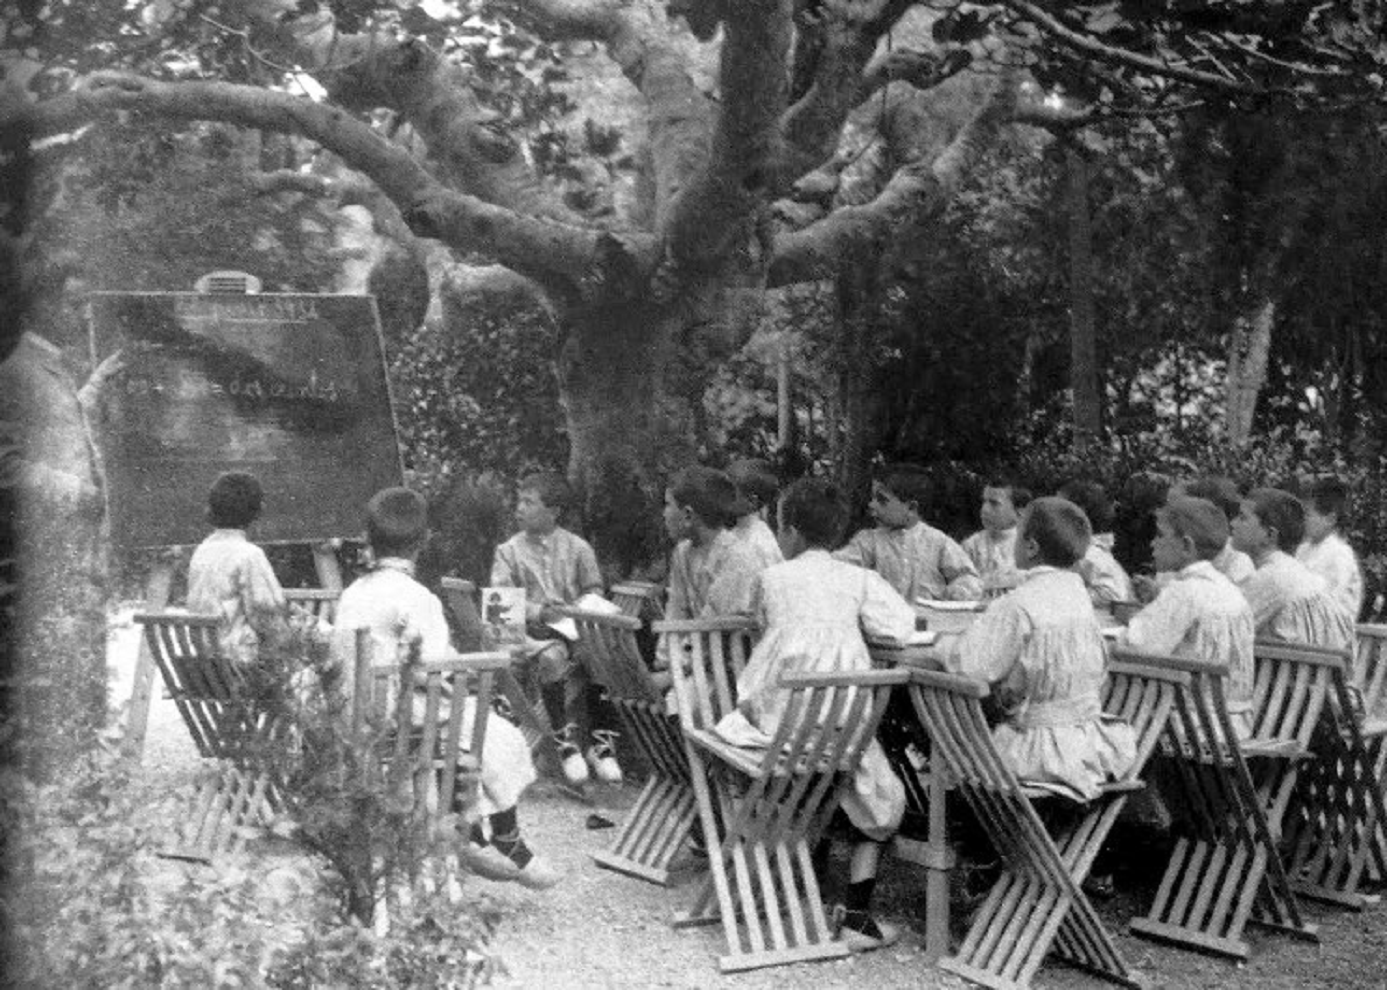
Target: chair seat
[(750, 761), (1037, 791), (1274, 749)]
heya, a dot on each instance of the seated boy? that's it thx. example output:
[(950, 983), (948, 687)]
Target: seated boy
[(916, 559), (1324, 551), (398, 610), (712, 570), (1199, 613), (557, 567), (231, 577), (992, 549), (1288, 602), (1106, 579), (757, 485)]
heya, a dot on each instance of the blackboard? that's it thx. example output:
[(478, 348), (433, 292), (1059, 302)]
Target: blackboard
[(291, 388)]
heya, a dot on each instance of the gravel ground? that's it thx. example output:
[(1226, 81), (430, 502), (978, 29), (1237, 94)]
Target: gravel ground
[(601, 929)]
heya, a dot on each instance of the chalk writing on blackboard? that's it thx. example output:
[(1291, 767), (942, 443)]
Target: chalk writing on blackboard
[(289, 387)]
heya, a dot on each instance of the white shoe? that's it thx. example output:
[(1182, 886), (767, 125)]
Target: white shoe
[(602, 756), (575, 768), (538, 874)]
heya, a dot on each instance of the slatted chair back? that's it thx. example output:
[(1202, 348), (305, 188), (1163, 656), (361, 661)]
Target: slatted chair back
[(318, 604), (1372, 668), (1291, 686), (638, 599), (212, 692), (613, 656), (706, 656), (1038, 903), (427, 717), (768, 807)]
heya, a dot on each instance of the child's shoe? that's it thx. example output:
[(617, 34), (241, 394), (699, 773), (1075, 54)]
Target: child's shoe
[(575, 768), (538, 874), (602, 756), (487, 861), (863, 933)]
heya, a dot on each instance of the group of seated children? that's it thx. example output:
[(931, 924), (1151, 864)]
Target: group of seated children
[(1229, 568)]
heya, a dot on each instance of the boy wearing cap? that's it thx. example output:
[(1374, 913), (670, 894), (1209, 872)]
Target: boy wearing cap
[(916, 559), (712, 570), (231, 577), (757, 485), (1199, 613), (398, 610)]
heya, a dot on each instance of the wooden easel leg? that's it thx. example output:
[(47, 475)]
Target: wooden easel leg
[(137, 721), (329, 571)]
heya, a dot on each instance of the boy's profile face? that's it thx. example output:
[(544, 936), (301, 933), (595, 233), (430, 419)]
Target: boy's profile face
[(1318, 524), (678, 518), (890, 511), (997, 511), (532, 514), (1249, 534), (1026, 553), (1169, 550)]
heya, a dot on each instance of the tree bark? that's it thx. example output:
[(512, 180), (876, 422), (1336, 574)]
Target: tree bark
[(1249, 346), (1083, 346)]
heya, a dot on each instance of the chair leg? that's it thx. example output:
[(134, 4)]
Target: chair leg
[(654, 831)]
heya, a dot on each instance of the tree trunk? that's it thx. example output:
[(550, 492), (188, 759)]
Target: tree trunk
[(1249, 345), (1083, 361), (628, 426)]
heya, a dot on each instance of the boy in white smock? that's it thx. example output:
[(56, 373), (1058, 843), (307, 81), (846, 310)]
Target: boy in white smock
[(398, 610), (814, 611), (992, 549), (1324, 551), (1041, 649)]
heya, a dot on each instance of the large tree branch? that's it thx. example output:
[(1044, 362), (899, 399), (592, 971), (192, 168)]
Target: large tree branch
[(561, 256), (1092, 47), (914, 196), (741, 172)]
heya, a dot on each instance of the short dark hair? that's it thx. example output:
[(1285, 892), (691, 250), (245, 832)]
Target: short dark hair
[(1200, 521), (1060, 529), (1093, 500), (1020, 496), (1329, 496), (397, 522), (710, 493), (818, 509), (755, 479), (1281, 511), (552, 488), (908, 482), (1218, 489), (235, 499)]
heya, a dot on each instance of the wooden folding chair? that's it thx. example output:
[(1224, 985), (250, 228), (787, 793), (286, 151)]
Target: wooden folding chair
[(766, 808), (1336, 833), (231, 719), (414, 714), (460, 598), (660, 820), (1227, 870), (1038, 902)]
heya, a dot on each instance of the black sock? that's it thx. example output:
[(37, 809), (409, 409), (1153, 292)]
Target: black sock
[(554, 704), (601, 715), (859, 896), (513, 847)]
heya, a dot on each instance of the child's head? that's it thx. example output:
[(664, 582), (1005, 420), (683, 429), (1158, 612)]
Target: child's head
[(234, 500), (1052, 531), (1188, 530), (813, 515), (1269, 519), (1002, 502), (756, 480), (541, 499), (899, 495), (1093, 500), (397, 522), (703, 497), (1325, 506), (1216, 488)]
